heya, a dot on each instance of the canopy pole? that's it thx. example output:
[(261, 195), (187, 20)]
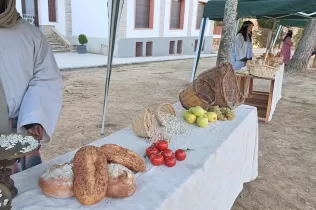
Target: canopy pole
[(199, 46), (114, 10), (277, 36)]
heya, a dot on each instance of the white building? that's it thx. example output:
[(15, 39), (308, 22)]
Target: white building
[(147, 27)]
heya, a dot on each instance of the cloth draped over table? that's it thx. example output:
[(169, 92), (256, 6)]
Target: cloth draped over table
[(10, 15), (30, 77)]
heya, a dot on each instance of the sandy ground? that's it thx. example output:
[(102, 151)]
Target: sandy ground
[(287, 169)]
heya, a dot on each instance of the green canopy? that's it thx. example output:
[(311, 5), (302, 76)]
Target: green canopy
[(278, 9), (294, 22)]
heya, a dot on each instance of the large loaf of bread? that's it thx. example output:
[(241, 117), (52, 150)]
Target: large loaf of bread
[(90, 175), (117, 154), (57, 181), (122, 181)]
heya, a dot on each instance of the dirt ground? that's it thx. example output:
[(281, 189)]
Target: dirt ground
[(287, 169)]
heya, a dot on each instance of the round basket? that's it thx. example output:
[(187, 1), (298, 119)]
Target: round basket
[(189, 98), (264, 71), (162, 110), (143, 125)]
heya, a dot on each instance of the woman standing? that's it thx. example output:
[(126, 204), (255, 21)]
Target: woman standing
[(242, 47), (286, 47)]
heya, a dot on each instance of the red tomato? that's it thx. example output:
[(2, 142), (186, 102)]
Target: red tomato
[(154, 144), (156, 159), (180, 155), (162, 145), (170, 161), (167, 153), (151, 150)]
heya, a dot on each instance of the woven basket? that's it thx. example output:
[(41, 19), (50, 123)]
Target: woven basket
[(261, 70), (164, 108), (143, 125), (189, 98), (217, 86)]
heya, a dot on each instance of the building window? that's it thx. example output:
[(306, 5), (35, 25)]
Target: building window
[(177, 14), (196, 44), (149, 48), (171, 47), (199, 15), (179, 47), (144, 13), (52, 10), (139, 49)]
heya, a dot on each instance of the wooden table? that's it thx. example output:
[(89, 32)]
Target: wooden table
[(259, 99), (265, 102)]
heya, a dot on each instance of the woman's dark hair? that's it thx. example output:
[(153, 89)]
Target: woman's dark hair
[(244, 30), (289, 34)]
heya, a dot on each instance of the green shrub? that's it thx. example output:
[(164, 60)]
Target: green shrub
[(82, 39)]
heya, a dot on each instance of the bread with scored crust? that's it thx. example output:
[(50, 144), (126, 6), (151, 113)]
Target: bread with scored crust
[(90, 175), (117, 154), (122, 181)]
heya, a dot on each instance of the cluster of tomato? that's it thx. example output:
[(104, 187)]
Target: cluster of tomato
[(159, 154)]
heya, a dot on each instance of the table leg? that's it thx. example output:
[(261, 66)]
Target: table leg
[(250, 87), (269, 101)]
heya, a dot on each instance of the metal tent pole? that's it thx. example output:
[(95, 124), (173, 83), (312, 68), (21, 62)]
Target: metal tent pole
[(114, 9), (199, 46)]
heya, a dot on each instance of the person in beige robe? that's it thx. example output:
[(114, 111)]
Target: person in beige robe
[(30, 81)]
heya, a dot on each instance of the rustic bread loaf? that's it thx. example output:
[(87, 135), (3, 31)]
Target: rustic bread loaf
[(117, 154), (90, 175), (122, 181), (57, 181)]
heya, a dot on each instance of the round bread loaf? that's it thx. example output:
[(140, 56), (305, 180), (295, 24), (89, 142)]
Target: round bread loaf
[(117, 154), (57, 181), (122, 181), (91, 175)]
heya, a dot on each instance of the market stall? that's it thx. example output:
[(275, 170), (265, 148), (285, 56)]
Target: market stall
[(292, 12), (224, 156), (265, 101)]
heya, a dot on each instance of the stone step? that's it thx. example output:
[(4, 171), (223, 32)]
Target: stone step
[(61, 50)]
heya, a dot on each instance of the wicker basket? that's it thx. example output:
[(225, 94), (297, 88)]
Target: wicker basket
[(189, 98), (217, 86), (143, 125), (261, 70), (164, 108)]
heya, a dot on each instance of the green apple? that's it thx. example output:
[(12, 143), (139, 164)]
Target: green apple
[(185, 113), (202, 121), (190, 118), (198, 111), (191, 110), (212, 117)]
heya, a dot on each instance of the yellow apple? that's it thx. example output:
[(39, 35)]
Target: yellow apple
[(185, 113), (202, 121), (212, 117), (190, 118), (198, 111)]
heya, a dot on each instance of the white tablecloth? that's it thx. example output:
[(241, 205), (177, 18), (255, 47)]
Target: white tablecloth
[(277, 91), (212, 176)]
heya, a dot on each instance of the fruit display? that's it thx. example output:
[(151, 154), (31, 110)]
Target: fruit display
[(199, 116), (159, 154), (223, 114)]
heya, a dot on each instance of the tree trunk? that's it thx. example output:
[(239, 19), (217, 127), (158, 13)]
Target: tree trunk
[(304, 49), (269, 38), (314, 62), (228, 34)]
